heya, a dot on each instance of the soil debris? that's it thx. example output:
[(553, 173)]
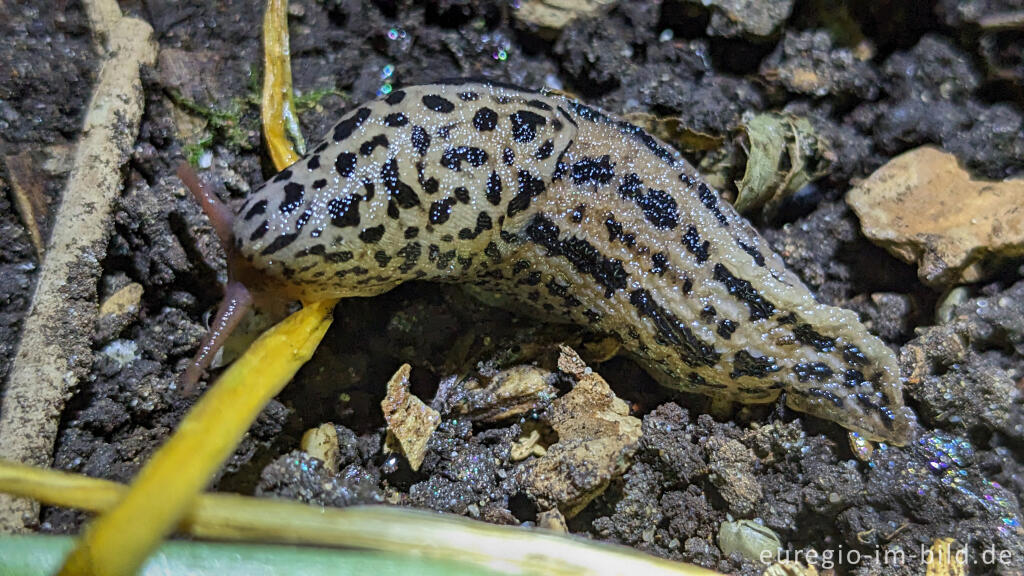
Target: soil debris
[(925, 209), (322, 443), (508, 394), (732, 471), (596, 440), (731, 18)]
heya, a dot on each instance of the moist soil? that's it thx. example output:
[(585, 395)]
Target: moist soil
[(887, 77)]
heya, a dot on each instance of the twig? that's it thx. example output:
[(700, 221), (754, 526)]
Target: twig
[(54, 351)]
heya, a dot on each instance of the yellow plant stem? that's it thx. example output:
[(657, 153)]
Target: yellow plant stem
[(117, 543), (277, 110), (398, 531)]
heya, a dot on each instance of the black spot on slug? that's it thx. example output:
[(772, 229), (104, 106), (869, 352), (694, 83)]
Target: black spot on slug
[(420, 140), (453, 158), (807, 335), (344, 129), (754, 253), (493, 193), (524, 125), (710, 200), (692, 242), (293, 194), (584, 257), (259, 231), (744, 291), (812, 371), (345, 164), (529, 188), (593, 170), (854, 356), (395, 97), (396, 119), (368, 147), (257, 209), (693, 351), (401, 192), (438, 103), (660, 262), (313, 163), (279, 242), (485, 119), (372, 235), (836, 400), (468, 96), (726, 328), (660, 209), (410, 253), (545, 150), (303, 218), (344, 212), (441, 210), (745, 364), (283, 175)]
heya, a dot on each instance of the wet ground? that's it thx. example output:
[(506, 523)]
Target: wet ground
[(875, 79)]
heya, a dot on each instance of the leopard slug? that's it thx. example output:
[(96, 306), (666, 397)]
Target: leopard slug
[(553, 207)]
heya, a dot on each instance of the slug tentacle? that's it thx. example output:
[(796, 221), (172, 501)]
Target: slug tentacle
[(572, 213), (233, 307), (237, 299)]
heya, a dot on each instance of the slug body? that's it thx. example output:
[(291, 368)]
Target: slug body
[(554, 207)]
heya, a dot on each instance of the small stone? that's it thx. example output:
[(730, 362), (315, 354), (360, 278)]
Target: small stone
[(322, 443), (550, 16), (123, 302)]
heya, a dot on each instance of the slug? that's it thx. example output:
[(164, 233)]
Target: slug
[(553, 207)]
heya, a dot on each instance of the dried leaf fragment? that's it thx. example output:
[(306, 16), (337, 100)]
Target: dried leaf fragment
[(596, 441), (784, 154), (410, 421), (508, 394)]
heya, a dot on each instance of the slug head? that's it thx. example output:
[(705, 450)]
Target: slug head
[(245, 284)]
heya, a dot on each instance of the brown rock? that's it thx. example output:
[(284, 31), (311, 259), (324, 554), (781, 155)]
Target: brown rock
[(925, 209)]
